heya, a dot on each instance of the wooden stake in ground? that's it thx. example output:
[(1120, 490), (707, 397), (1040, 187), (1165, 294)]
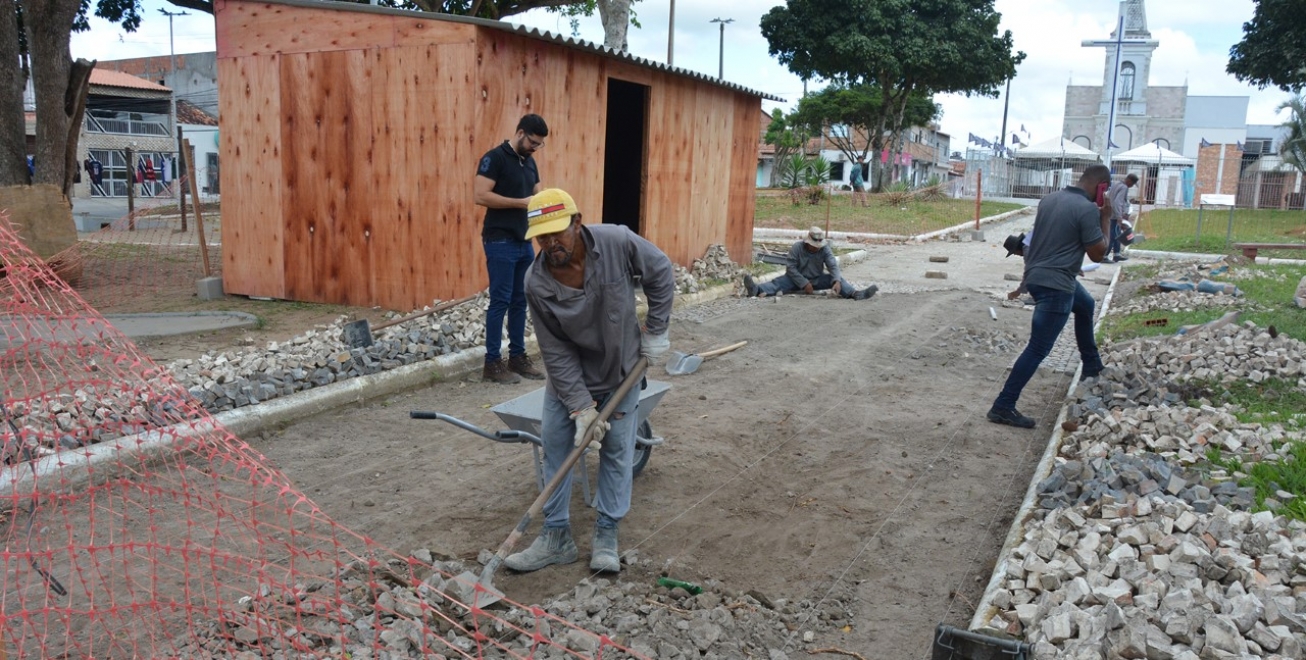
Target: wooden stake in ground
[(199, 218)]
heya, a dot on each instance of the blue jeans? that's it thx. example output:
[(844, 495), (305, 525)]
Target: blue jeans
[(1052, 308), (784, 284), (616, 460), (1113, 247), (507, 261)]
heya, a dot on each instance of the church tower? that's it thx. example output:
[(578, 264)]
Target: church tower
[(1143, 113)]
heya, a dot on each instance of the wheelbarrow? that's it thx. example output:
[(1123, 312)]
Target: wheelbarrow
[(524, 416)]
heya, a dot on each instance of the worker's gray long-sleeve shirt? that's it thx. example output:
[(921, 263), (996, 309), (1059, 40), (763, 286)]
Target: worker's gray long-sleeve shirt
[(590, 339), (1119, 196), (802, 265)]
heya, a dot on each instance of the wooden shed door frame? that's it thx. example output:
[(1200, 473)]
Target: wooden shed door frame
[(625, 153)]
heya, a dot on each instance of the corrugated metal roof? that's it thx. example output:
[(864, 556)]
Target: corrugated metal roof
[(107, 78), (533, 33)]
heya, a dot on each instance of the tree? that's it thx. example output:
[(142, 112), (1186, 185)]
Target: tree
[(1293, 147), (1273, 49), (13, 79), (904, 48), (615, 14), (788, 136), (859, 111)]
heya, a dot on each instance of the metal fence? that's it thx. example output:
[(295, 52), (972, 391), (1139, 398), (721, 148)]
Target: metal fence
[(1256, 181)]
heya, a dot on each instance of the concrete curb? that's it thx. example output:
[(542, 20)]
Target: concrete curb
[(986, 611)]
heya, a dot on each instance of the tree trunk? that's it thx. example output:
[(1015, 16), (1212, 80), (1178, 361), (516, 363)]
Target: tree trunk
[(79, 83), (49, 27), (13, 79), (615, 15)]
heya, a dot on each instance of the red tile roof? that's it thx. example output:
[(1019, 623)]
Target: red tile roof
[(106, 78)]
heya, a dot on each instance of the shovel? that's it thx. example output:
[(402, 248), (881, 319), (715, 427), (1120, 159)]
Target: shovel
[(484, 592), (680, 364), (358, 334)]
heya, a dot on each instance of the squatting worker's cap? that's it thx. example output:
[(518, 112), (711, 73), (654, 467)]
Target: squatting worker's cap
[(1014, 243), (815, 237), (549, 212)]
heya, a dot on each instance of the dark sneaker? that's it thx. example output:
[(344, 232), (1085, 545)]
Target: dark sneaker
[(866, 293), (522, 366), (604, 557), (1119, 258), (1010, 417), (499, 372), (750, 287)]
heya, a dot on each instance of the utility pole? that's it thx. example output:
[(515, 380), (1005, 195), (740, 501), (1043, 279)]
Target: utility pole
[(1006, 104), (671, 33), (172, 96), (721, 58)]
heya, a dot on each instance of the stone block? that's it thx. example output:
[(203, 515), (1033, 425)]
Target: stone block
[(1222, 634), (210, 288), (939, 259), (936, 275)]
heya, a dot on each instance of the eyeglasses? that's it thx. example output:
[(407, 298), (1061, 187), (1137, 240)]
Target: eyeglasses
[(535, 144)]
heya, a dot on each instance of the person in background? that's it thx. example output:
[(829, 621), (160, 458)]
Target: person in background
[(806, 271), (506, 178), (858, 184), (1118, 194)]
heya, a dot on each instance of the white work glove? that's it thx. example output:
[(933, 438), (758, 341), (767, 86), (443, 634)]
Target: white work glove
[(583, 420), (653, 346)]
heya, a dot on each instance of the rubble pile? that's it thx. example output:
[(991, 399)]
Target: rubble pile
[(714, 265), (319, 357), (389, 613), (1139, 546)]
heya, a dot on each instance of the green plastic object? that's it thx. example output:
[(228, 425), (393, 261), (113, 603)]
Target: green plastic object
[(669, 583)]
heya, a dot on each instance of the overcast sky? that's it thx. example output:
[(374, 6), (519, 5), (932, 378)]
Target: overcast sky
[(1195, 37)]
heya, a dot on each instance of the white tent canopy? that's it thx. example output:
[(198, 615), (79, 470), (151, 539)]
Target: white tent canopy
[(1058, 147), (1152, 154)]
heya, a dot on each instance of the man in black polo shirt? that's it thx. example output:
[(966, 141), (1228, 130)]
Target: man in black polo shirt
[(506, 178)]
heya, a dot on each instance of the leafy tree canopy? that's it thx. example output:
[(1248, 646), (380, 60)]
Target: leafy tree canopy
[(938, 46), (1273, 49), (860, 108), (1293, 147)]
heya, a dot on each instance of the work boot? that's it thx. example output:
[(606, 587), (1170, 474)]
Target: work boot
[(604, 557), (750, 287), (521, 365), (1010, 417), (552, 546), (866, 293), (499, 372)]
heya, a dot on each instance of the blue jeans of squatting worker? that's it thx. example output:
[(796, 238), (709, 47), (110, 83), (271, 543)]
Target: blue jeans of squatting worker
[(616, 460), (1052, 308), (507, 261)]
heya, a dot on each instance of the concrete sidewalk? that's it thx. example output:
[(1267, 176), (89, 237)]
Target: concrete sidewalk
[(16, 331)]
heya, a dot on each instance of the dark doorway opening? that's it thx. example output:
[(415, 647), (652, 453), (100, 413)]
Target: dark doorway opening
[(624, 154)]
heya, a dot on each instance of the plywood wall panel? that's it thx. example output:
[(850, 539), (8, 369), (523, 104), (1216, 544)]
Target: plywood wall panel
[(577, 115), (250, 149), (712, 169), (742, 185), (326, 135), (673, 114), (257, 28)]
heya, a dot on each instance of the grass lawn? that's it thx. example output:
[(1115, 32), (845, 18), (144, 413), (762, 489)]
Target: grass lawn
[(1270, 288), (1176, 230), (775, 210)]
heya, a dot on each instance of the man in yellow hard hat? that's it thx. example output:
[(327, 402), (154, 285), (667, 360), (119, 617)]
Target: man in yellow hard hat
[(581, 293)]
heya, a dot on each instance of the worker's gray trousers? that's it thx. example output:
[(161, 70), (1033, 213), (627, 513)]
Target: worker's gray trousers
[(616, 459)]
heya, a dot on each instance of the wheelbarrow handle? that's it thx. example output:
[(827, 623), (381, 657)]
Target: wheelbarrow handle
[(511, 437)]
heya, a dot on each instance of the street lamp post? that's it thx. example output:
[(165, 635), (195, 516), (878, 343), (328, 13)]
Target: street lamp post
[(671, 34), (721, 57)]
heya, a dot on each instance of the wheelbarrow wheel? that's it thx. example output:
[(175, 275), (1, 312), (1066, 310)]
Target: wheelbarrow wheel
[(642, 451)]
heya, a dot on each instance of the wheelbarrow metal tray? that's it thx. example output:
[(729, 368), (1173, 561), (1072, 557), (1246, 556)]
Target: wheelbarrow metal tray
[(526, 412)]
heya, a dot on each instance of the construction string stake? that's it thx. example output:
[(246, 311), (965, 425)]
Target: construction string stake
[(50, 580)]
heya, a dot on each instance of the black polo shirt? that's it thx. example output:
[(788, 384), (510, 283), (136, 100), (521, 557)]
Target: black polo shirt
[(513, 177)]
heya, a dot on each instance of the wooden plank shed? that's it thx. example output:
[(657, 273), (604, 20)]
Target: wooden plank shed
[(351, 133)]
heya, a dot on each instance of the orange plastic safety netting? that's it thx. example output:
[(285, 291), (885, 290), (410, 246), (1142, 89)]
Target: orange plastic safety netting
[(135, 526)]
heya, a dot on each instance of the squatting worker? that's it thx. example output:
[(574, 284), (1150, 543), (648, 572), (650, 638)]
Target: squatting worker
[(505, 180), (1068, 225), (581, 290), (810, 267)]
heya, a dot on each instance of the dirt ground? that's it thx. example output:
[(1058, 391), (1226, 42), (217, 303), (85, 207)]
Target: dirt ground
[(843, 453)]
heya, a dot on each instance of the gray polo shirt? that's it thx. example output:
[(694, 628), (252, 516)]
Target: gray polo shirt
[(802, 265), (589, 338), (1067, 222)]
